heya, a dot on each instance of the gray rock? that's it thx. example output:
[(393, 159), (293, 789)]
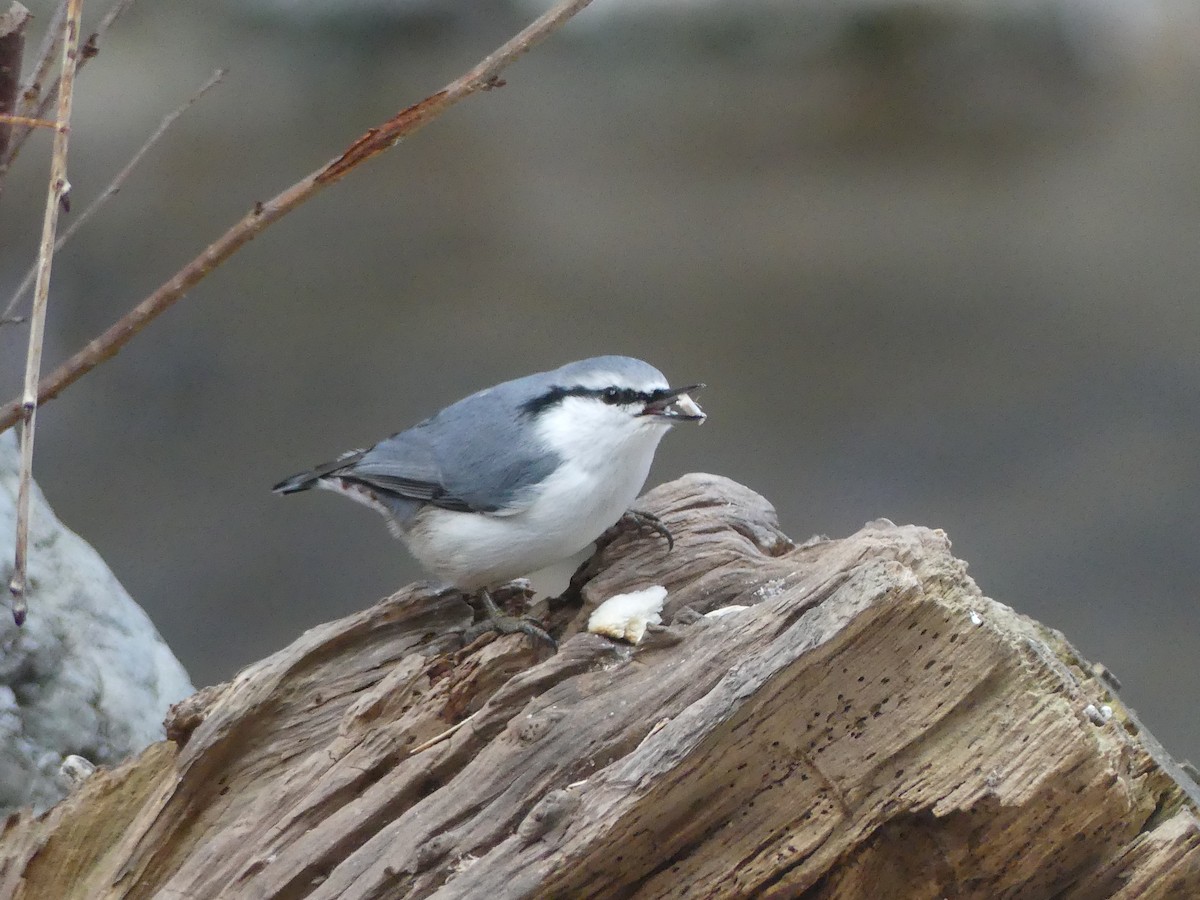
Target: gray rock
[(87, 674)]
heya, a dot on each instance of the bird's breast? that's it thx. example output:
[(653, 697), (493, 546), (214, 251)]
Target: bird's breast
[(569, 509)]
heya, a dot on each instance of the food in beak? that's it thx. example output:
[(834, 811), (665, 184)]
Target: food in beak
[(676, 405)]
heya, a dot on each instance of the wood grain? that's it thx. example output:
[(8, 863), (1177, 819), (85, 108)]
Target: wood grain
[(871, 726)]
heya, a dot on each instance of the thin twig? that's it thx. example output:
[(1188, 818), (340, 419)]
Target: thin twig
[(47, 52), (114, 186), (484, 76), (12, 52), (444, 735), (25, 120), (31, 87), (38, 102), (18, 586)]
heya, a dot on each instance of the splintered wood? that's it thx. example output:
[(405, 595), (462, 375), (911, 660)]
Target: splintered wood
[(869, 726)]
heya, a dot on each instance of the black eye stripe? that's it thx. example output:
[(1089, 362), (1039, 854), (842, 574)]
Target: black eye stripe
[(612, 395)]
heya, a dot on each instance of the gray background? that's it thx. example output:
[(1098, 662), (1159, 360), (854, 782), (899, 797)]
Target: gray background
[(933, 267)]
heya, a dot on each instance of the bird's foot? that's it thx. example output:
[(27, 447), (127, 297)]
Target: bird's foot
[(517, 589), (501, 623), (638, 520)]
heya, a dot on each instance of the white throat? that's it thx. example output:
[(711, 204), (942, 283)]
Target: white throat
[(597, 438)]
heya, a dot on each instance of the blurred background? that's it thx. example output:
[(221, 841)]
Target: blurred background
[(936, 261)]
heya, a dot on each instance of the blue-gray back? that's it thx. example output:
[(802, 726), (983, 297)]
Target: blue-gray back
[(479, 454)]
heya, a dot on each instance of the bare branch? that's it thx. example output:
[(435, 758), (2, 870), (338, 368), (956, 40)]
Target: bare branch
[(31, 87), (114, 186), (12, 50), (33, 361), (36, 103), (25, 120), (483, 76)]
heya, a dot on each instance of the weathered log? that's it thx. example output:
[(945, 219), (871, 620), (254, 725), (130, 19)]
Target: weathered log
[(870, 726)]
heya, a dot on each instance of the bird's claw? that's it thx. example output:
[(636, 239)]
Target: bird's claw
[(509, 625), (499, 622), (637, 520)]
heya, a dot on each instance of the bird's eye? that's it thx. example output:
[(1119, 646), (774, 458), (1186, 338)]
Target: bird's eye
[(611, 395)]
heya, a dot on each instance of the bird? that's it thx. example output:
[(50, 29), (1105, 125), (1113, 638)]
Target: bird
[(517, 476)]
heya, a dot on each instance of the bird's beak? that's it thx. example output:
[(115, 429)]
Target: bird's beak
[(676, 406)]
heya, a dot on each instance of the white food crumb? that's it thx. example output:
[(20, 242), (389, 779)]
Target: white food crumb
[(690, 407), (766, 591), (724, 611), (75, 770), (626, 616), (463, 863), (976, 618)]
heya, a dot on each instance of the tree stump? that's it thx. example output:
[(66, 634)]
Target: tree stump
[(870, 725)]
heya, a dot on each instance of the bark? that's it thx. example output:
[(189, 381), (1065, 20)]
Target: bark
[(870, 726), (12, 49)]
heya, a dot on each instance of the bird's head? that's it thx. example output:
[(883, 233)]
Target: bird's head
[(604, 404)]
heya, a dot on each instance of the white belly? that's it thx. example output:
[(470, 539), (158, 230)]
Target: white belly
[(574, 506)]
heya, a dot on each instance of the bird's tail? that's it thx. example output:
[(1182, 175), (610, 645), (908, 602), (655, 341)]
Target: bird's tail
[(303, 481)]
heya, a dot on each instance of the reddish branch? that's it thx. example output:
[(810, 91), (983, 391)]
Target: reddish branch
[(376, 140)]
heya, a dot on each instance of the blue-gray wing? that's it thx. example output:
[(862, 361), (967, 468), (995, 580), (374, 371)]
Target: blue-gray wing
[(476, 455)]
